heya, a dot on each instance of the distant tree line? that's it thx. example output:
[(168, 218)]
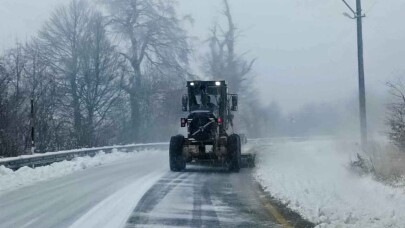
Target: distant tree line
[(95, 79), (109, 78)]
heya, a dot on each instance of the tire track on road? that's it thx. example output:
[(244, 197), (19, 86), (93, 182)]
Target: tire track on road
[(153, 197), (202, 201), (207, 197)]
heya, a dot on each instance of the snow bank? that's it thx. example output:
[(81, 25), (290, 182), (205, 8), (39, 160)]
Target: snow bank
[(314, 179), (25, 176), (83, 150)]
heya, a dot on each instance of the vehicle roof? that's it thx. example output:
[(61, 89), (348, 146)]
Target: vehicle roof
[(209, 83)]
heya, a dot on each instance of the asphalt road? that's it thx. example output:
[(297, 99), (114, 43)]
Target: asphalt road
[(141, 192), (203, 197), (61, 202)]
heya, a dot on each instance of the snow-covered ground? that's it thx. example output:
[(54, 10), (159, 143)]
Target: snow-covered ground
[(10, 180), (116, 147), (314, 179)]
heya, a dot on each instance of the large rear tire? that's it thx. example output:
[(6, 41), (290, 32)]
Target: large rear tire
[(176, 159), (234, 149)]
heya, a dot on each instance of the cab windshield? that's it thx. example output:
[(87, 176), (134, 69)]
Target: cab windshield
[(205, 98)]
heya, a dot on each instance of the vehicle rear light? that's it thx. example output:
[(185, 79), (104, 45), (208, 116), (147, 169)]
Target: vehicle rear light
[(219, 120), (183, 122)]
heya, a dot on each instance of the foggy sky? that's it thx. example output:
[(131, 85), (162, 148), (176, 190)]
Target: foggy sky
[(305, 49)]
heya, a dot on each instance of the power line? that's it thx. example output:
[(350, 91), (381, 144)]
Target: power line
[(371, 7)]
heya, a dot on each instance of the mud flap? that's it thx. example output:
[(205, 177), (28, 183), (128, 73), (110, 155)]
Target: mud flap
[(234, 153)]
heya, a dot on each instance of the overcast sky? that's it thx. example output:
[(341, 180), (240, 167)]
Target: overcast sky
[(305, 49)]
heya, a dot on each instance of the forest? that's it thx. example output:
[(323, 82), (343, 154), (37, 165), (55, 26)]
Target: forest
[(111, 74)]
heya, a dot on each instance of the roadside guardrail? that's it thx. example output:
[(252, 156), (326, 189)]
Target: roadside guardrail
[(51, 157)]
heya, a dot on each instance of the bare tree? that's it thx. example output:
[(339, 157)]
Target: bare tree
[(61, 42), (13, 111), (100, 78), (222, 62), (152, 36), (396, 113), (42, 88), (86, 70)]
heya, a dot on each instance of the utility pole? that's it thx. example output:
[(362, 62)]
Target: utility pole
[(362, 90)]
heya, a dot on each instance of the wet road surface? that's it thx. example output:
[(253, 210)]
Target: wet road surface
[(203, 197)]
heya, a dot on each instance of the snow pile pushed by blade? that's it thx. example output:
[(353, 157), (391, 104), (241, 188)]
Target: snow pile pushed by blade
[(25, 176), (314, 179)]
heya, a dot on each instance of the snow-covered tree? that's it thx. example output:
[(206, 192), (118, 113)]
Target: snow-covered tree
[(151, 36), (396, 113)]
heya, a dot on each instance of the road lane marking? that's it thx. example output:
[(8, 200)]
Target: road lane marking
[(280, 218), (272, 209)]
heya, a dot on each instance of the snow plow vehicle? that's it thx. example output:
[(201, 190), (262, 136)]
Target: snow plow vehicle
[(210, 137)]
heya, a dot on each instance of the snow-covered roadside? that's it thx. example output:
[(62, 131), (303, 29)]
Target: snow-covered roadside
[(313, 178), (114, 148), (10, 180)]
